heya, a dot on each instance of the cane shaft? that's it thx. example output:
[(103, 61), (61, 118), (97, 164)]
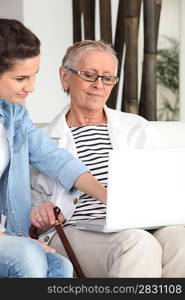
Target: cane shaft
[(67, 245)]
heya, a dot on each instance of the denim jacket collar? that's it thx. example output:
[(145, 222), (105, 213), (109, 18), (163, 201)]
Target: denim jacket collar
[(7, 111), (5, 108), (1, 110)]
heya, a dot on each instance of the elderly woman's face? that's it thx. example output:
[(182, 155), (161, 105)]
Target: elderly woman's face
[(91, 95)]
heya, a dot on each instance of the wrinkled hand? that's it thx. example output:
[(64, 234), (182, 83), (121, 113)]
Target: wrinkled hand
[(43, 216)]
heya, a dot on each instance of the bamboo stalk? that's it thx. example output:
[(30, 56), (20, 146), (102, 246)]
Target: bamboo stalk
[(77, 30), (130, 91), (105, 21), (148, 101), (158, 14), (88, 10), (118, 46)]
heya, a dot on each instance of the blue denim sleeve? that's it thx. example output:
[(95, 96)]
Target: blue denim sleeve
[(56, 162)]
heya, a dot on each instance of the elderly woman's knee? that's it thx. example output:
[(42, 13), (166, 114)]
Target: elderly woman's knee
[(171, 235), (144, 240), (149, 241)]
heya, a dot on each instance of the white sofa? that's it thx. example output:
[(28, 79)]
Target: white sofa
[(173, 132)]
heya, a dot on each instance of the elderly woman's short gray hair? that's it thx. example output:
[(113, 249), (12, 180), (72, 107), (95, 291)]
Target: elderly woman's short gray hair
[(77, 48)]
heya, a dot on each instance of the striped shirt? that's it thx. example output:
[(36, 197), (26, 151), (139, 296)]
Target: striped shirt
[(93, 146)]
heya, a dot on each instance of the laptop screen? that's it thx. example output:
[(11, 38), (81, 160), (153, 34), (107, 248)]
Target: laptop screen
[(146, 188)]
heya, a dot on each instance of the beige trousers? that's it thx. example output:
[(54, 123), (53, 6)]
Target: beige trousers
[(172, 241), (129, 253)]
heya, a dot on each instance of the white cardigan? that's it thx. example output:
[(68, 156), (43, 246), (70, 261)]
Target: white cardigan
[(126, 131)]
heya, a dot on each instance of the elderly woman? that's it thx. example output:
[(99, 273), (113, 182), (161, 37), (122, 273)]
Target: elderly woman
[(89, 130)]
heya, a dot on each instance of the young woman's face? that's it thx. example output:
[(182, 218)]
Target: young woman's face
[(17, 83)]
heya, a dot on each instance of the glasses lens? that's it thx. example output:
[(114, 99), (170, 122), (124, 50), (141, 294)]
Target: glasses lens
[(93, 77), (109, 80), (88, 76)]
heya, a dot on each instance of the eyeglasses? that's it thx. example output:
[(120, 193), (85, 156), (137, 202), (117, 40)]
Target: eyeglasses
[(92, 77)]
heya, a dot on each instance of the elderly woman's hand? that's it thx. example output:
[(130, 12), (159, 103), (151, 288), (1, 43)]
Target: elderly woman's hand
[(43, 216)]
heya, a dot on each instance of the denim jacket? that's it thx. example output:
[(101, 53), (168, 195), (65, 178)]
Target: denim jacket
[(30, 145)]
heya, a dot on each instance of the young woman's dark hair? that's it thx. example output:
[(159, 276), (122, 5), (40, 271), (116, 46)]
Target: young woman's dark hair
[(16, 42)]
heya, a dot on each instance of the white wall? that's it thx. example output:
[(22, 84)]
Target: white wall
[(51, 21), (11, 9)]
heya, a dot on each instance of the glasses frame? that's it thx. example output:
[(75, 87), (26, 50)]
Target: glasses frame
[(79, 72)]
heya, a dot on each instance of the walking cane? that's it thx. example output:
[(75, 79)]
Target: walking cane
[(67, 245), (34, 234)]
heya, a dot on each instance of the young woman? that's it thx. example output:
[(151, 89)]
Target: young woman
[(22, 144)]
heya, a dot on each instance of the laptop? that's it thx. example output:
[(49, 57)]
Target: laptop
[(146, 189)]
